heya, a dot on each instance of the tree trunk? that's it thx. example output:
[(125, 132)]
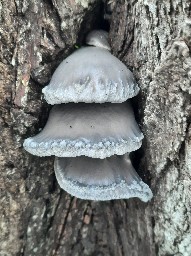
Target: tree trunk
[(153, 38)]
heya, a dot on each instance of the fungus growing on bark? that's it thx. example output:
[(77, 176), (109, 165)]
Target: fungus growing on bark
[(91, 74), (100, 179), (94, 130), (80, 133)]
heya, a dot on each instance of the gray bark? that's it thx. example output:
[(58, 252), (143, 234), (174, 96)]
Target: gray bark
[(37, 218)]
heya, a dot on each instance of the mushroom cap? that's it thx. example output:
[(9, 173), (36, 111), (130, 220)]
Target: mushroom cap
[(100, 179), (94, 130), (91, 74), (98, 38)]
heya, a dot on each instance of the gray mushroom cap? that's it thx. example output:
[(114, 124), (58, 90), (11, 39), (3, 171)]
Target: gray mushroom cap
[(94, 130), (91, 74), (98, 38), (100, 179)]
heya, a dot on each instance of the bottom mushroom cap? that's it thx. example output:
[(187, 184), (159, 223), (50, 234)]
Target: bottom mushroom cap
[(100, 179)]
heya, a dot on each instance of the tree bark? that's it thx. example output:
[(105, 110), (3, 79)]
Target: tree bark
[(38, 218)]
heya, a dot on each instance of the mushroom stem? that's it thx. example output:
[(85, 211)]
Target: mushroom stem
[(98, 38)]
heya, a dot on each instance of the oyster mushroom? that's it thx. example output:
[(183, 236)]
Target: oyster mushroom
[(94, 130), (91, 74), (100, 179)]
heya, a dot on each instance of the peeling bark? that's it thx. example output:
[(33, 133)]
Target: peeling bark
[(37, 218)]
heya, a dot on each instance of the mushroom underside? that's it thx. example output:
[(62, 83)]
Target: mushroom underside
[(96, 179)]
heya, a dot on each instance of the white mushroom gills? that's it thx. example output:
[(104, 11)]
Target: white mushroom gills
[(91, 141)]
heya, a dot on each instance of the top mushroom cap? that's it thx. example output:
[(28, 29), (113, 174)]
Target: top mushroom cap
[(91, 74), (98, 38), (94, 130)]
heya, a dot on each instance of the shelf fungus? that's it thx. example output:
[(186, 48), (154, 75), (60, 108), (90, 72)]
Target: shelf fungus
[(92, 141), (93, 130), (100, 179), (91, 74)]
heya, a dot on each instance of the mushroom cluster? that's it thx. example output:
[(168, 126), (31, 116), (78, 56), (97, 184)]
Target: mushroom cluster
[(92, 130)]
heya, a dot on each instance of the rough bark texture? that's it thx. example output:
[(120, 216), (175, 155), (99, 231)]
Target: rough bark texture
[(153, 38)]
